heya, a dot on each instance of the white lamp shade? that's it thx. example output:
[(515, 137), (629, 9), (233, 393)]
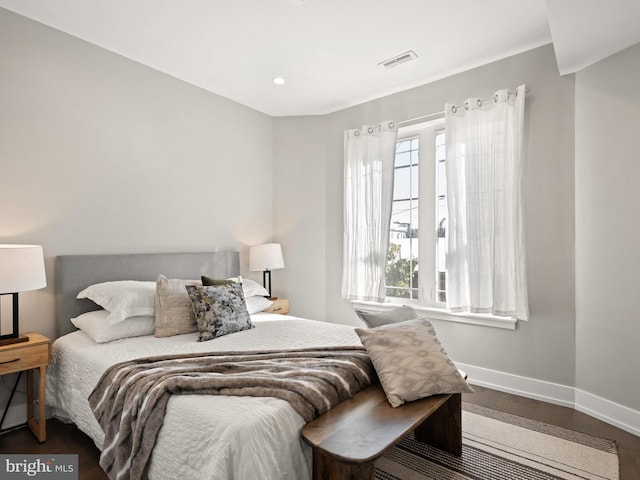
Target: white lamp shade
[(265, 257), (21, 268)]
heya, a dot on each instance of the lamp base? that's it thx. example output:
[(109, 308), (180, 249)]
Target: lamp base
[(9, 341)]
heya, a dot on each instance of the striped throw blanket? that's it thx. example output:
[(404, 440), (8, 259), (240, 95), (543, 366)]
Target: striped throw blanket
[(130, 399)]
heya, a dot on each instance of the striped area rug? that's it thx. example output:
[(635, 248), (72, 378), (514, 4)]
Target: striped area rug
[(498, 445)]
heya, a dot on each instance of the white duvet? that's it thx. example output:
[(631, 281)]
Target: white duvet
[(203, 437)]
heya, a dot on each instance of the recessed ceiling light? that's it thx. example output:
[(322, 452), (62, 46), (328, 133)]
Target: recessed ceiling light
[(279, 80)]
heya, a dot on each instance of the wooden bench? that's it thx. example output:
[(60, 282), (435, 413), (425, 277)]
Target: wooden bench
[(348, 439)]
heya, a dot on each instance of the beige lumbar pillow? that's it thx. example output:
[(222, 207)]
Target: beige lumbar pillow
[(174, 313), (411, 362)]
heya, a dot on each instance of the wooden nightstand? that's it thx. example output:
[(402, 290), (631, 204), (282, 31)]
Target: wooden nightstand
[(30, 355), (280, 305)]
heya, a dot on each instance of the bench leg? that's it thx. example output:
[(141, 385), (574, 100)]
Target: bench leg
[(443, 428), (325, 468)]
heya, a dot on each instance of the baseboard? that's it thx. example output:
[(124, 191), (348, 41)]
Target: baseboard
[(610, 412), (613, 413)]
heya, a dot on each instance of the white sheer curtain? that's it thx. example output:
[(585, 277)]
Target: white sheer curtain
[(485, 244), (369, 155)]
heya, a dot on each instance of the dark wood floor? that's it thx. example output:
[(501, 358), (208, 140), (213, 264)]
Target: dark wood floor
[(63, 438), (628, 445)]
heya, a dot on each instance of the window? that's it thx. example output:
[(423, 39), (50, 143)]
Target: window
[(402, 260), (441, 217), (417, 233)]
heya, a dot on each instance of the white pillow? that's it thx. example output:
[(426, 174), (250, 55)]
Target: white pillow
[(252, 289), (122, 299), (257, 304), (96, 326)]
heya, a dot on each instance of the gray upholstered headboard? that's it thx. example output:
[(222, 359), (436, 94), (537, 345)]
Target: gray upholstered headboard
[(73, 273)]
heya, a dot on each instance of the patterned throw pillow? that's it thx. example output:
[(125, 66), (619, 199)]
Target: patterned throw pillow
[(377, 319), (410, 361), (220, 310)]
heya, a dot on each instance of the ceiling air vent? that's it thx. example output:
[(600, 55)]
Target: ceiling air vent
[(397, 60)]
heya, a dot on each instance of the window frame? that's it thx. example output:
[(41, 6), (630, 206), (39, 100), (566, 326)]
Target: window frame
[(411, 199), (426, 133), (427, 304)]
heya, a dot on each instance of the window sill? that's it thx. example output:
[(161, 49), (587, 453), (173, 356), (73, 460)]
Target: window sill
[(436, 313)]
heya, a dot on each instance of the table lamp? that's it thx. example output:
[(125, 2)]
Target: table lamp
[(266, 257), (21, 270)]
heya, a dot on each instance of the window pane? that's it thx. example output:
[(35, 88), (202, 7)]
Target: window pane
[(403, 256), (441, 218), (442, 180), (405, 183), (403, 158), (440, 142), (402, 271), (402, 213), (403, 146), (402, 260)]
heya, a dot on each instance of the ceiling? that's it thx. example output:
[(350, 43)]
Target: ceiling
[(329, 51)]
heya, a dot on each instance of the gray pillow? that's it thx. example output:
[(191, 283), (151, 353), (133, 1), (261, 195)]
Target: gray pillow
[(211, 282), (220, 310), (410, 361), (377, 319)]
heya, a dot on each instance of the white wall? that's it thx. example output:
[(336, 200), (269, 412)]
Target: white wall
[(608, 230), (100, 154), (299, 213), (544, 347)]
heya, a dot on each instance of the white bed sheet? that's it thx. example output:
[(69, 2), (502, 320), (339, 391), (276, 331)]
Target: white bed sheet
[(204, 437)]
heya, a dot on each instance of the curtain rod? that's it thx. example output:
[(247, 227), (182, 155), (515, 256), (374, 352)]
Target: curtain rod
[(412, 121)]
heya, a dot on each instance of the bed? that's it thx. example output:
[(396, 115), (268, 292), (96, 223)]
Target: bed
[(203, 436)]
